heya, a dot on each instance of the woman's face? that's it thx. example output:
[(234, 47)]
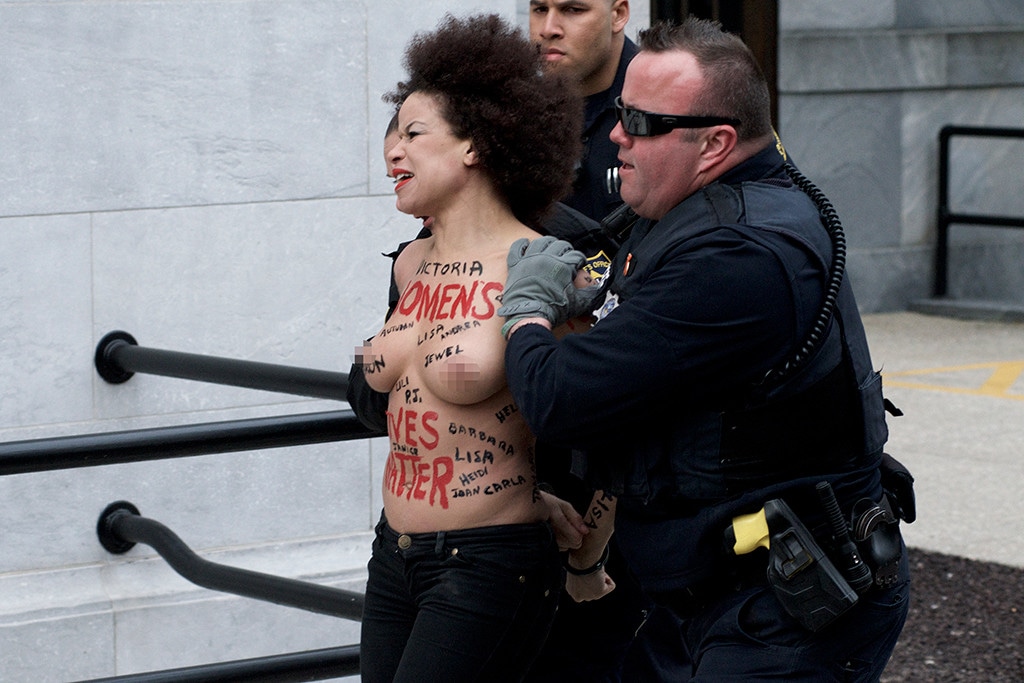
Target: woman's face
[(428, 162)]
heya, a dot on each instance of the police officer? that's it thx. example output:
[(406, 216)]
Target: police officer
[(587, 40), (727, 371)]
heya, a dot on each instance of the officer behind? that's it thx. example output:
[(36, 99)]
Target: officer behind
[(587, 40), (726, 378)]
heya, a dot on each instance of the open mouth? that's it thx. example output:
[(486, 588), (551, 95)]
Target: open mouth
[(401, 178)]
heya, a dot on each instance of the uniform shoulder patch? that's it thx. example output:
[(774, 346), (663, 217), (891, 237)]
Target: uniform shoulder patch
[(597, 266)]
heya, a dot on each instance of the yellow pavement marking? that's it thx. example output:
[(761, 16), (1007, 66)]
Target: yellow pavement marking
[(998, 383)]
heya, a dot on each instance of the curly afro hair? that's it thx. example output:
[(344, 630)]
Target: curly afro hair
[(525, 125)]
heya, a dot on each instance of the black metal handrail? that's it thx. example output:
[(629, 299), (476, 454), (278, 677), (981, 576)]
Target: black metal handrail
[(313, 665), (90, 450), (946, 217), (120, 527), (118, 357)]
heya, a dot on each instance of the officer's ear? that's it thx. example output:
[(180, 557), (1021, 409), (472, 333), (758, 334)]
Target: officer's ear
[(716, 145), (620, 15)]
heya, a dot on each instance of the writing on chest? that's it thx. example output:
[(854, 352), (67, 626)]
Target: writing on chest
[(462, 300)]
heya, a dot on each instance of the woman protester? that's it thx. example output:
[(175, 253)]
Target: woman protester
[(465, 572)]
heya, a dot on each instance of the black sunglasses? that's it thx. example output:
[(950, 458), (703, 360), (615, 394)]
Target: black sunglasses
[(644, 124)]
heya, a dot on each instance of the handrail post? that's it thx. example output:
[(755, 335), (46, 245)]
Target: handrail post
[(106, 363), (942, 219)]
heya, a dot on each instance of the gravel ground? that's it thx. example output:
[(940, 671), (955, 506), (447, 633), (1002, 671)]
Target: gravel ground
[(966, 623)]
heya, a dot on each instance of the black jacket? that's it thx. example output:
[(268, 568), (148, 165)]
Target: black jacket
[(663, 393)]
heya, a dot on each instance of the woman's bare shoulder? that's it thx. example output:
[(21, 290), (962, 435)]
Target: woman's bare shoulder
[(410, 259)]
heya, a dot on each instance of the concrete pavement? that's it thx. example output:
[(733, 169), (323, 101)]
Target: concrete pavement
[(960, 383)]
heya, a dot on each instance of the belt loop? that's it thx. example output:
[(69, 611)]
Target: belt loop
[(439, 544)]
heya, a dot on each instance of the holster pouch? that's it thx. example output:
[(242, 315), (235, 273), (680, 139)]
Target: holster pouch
[(804, 580), (898, 484), (876, 531)]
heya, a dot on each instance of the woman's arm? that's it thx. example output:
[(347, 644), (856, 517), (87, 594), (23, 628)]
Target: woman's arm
[(586, 575), (568, 525)]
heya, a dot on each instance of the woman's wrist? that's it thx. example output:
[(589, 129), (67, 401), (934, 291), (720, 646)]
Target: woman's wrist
[(587, 571)]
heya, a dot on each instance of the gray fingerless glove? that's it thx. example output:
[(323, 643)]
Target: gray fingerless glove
[(540, 283)]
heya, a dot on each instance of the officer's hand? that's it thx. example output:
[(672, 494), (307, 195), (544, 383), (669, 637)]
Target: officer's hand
[(540, 283)]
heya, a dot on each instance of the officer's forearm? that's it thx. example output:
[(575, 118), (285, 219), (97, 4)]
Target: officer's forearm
[(528, 321)]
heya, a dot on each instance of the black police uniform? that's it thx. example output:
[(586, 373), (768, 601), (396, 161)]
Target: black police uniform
[(701, 306)]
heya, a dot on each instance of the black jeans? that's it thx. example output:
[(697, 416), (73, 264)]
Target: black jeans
[(466, 605)]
